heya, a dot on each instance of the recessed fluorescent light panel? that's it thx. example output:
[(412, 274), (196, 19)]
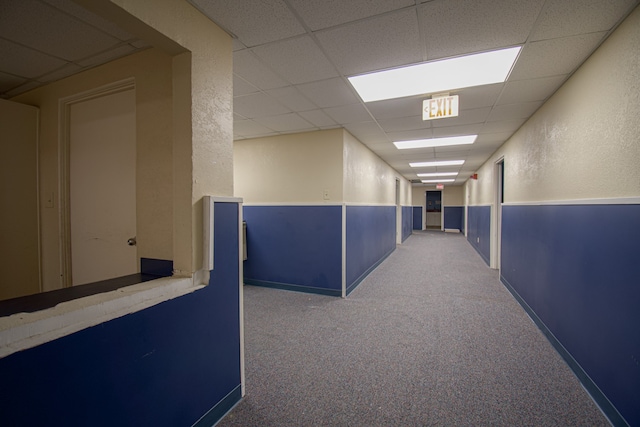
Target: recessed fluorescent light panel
[(436, 142), (432, 174), (436, 181), (437, 76), (438, 163)]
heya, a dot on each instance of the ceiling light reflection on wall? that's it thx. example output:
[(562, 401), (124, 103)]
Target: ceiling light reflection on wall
[(436, 163), (432, 174), (437, 76), (438, 181), (435, 142)]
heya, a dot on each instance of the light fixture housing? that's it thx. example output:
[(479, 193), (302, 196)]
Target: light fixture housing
[(436, 181), (437, 76), (436, 163), (433, 174), (436, 142)]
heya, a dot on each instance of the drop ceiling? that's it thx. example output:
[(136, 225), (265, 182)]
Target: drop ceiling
[(292, 59)]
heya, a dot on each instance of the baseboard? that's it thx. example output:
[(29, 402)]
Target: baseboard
[(356, 282), (605, 405), (292, 287), (221, 409)]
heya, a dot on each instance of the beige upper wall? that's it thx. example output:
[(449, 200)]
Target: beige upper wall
[(583, 142), (151, 70), (368, 179), (295, 168), (451, 195)]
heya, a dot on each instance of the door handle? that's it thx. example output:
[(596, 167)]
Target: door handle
[(132, 241)]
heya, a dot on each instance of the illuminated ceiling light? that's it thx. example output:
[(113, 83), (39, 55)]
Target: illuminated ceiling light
[(437, 76), (436, 181), (437, 163), (436, 142), (432, 174)]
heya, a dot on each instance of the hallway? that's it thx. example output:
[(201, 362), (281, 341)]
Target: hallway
[(430, 338)]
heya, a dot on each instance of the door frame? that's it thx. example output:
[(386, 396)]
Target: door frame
[(64, 203), (496, 213)]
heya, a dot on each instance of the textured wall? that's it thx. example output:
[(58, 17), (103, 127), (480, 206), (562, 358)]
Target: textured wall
[(583, 142), (295, 168), (368, 179)]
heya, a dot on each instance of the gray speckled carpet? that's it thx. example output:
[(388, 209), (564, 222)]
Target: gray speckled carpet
[(430, 338)]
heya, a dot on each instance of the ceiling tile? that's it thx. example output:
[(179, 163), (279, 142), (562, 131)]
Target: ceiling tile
[(465, 117), (328, 93), (299, 60), (318, 14), (367, 132), (7, 81), (109, 55), (513, 111), (530, 90), (291, 98), (362, 46), (254, 23), (404, 123), (249, 67), (80, 12), (408, 135), (257, 105), (249, 128), (441, 132), (285, 123), (478, 96), (242, 87), (23, 88), (455, 27), (24, 62), (502, 126), (562, 18), (44, 28), (317, 118), (396, 108), (349, 114), (554, 57), (60, 73)]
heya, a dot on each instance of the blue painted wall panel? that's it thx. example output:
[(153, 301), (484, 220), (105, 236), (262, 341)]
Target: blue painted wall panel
[(294, 245), (371, 237), (417, 217), (576, 267), (453, 217), (165, 366), (479, 230), (407, 222)]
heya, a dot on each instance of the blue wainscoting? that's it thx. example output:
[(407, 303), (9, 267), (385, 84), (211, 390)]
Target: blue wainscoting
[(454, 217), (371, 237), (295, 247), (168, 365), (417, 217), (479, 230), (407, 222), (575, 269)]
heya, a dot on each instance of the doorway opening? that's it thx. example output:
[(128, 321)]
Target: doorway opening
[(434, 210)]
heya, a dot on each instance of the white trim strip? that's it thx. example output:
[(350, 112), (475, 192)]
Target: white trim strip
[(608, 201)]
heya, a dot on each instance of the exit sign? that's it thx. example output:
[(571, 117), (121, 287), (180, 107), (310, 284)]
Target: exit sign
[(440, 107)]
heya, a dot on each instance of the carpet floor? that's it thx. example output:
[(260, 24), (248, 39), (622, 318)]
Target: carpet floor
[(429, 338)]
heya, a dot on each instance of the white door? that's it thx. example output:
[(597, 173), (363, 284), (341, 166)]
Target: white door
[(102, 187), (19, 200)]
